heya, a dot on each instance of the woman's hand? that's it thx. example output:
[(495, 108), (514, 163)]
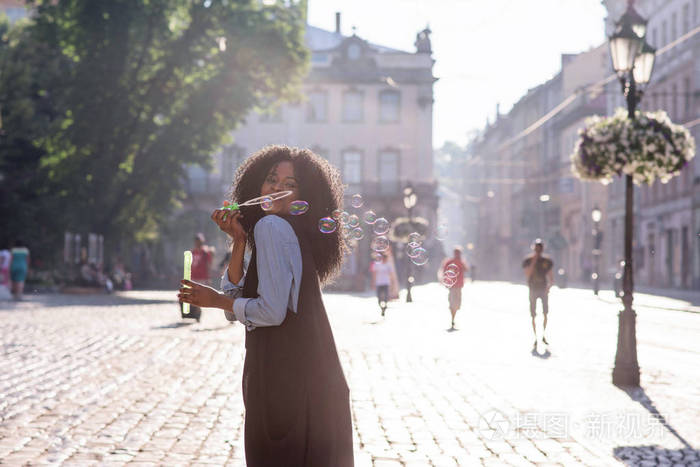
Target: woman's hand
[(201, 295), (230, 223)]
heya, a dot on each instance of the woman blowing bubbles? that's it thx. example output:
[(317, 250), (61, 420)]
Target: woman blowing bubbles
[(294, 391)]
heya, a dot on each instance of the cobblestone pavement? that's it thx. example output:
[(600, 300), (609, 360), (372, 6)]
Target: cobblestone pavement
[(113, 380)]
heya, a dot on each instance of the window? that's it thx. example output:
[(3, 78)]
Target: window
[(674, 27), (687, 96), (388, 171), (317, 107), (389, 106), (663, 97), (352, 106), (686, 18), (354, 51), (674, 101), (654, 38), (352, 167), (664, 33)]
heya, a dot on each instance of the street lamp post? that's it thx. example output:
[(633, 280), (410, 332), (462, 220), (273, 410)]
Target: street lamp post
[(410, 198), (596, 216), (633, 60)]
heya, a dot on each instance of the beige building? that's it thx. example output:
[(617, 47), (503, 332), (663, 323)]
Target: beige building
[(368, 109), (527, 188), (576, 200), (667, 216)]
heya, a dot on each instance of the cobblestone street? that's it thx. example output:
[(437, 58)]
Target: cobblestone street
[(121, 379)]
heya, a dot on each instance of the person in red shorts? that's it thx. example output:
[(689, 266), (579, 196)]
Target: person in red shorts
[(452, 276), (202, 256)]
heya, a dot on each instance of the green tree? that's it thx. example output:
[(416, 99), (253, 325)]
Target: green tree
[(26, 208), (122, 94)]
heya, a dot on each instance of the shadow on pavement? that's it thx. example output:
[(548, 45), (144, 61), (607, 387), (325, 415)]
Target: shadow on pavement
[(638, 395), (654, 455), (543, 356), (179, 324), (219, 328)]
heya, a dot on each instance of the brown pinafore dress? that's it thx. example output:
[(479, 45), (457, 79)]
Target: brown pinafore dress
[(296, 398)]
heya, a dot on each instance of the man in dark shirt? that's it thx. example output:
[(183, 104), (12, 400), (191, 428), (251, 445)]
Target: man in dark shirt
[(538, 272)]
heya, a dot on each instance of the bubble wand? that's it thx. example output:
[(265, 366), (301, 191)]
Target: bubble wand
[(188, 276), (266, 199)]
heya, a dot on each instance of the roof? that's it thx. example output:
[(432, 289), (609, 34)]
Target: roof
[(320, 39)]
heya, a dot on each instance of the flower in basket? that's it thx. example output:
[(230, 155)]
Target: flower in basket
[(649, 147)]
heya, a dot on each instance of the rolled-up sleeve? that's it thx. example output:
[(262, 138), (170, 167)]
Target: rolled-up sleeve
[(279, 275), (231, 290)]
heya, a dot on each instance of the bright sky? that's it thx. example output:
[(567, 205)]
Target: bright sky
[(486, 51)]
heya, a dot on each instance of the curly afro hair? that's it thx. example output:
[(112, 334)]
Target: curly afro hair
[(319, 185)]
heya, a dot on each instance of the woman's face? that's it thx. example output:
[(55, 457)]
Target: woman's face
[(281, 178)]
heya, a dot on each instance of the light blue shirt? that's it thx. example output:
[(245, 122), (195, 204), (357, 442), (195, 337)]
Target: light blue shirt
[(279, 276)]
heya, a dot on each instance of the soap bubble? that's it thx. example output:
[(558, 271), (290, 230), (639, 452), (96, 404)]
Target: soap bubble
[(353, 221), (266, 204), (356, 201), (358, 233), (414, 239), (344, 217), (327, 225), (448, 282), (370, 217), (441, 231), (381, 226), (380, 243), (420, 257), (451, 270), (336, 214), (298, 207), (411, 250), (346, 232)]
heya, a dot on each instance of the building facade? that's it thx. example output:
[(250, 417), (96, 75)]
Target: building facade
[(527, 188), (366, 108), (667, 216), (531, 169)]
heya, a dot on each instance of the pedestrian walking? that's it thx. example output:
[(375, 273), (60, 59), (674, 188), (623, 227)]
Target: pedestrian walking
[(394, 285), (5, 262), (452, 275), (202, 256), (19, 267), (294, 390), (538, 273), (383, 275)]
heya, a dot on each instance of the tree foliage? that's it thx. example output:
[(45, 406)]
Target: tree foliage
[(105, 102)]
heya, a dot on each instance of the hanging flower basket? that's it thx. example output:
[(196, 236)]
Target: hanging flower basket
[(649, 147)]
